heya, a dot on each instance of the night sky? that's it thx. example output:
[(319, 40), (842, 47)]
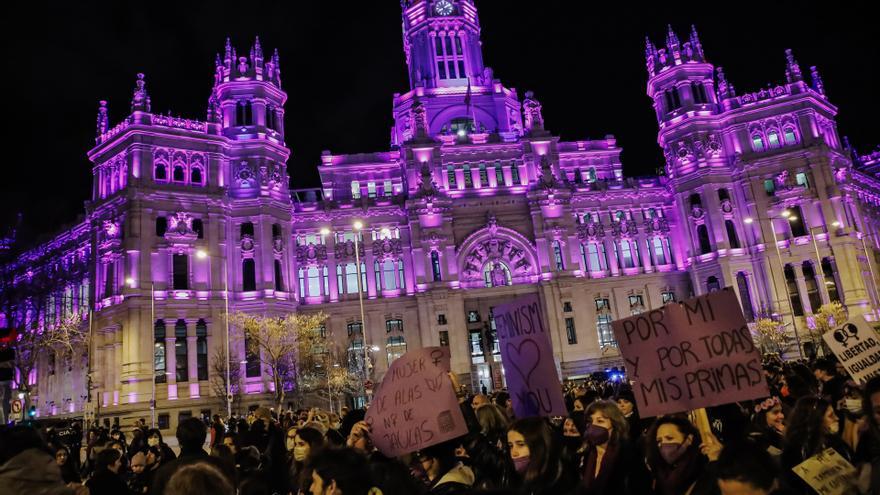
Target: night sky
[(342, 61)]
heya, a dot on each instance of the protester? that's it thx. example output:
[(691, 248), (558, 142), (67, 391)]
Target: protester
[(340, 472), (676, 456), (359, 438), (535, 453), (106, 480), (154, 439), (813, 426), (307, 442), (26, 467), (768, 425), (446, 475), (746, 469), (199, 477), (68, 471), (138, 479), (608, 456), (191, 434), (218, 430)]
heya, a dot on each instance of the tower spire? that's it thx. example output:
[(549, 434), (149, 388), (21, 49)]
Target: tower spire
[(227, 58), (818, 85), (103, 118), (792, 69), (673, 45), (140, 101), (650, 55), (696, 46)]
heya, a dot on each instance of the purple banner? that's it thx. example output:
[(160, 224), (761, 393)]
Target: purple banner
[(527, 356)]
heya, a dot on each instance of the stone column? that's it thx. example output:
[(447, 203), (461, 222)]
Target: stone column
[(170, 359), (611, 256), (192, 364), (644, 253)]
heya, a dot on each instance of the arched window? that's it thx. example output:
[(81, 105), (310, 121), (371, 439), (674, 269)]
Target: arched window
[(745, 297), (757, 143), (181, 353), (178, 174), (249, 275), (461, 126), (313, 281), (699, 92), (578, 178), (591, 175), (435, 266), (812, 284), (346, 277), (496, 273), (830, 280), (712, 284), (703, 237), (160, 172), (773, 139), (594, 257), (794, 294), (202, 349), (159, 366), (279, 277), (790, 136), (731, 234), (196, 176)]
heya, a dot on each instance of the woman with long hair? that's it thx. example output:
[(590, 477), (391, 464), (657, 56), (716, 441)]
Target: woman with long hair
[(677, 456), (536, 456), (487, 449), (306, 443), (608, 455), (768, 425), (65, 462), (813, 426)]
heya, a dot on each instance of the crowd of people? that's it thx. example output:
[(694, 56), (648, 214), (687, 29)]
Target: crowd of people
[(602, 447)]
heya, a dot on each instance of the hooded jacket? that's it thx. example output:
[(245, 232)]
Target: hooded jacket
[(33, 472), (459, 479)]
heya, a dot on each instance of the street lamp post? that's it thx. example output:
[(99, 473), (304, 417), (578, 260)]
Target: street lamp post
[(202, 254), (358, 228), (789, 217)]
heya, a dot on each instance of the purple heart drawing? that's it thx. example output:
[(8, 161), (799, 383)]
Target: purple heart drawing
[(525, 357)]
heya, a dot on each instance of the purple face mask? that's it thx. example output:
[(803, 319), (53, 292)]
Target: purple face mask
[(597, 435), (521, 463), (672, 452)]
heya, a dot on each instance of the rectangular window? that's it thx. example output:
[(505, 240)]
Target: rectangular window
[(450, 174), (389, 190), (476, 343), (802, 180), (484, 176), (252, 365), (570, 331), (202, 349), (159, 366), (457, 45), (441, 319), (557, 256), (514, 173), (499, 175), (180, 264), (566, 306), (473, 316), (395, 347), (164, 421), (468, 178), (371, 189), (594, 258), (438, 43), (603, 304), (603, 328), (770, 187), (461, 74), (395, 325), (659, 253), (181, 352), (667, 296), (626, 255), (444, 338), (355, 190), (636, 304)]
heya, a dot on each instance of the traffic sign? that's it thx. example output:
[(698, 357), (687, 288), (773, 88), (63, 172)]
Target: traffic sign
[(15, 413)]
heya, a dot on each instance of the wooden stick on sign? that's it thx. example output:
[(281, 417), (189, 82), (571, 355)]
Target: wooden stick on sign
[(700, 420)]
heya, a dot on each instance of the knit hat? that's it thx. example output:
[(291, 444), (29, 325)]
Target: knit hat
[(627, 394)]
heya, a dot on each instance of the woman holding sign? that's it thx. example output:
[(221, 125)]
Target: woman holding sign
[(812, 427)]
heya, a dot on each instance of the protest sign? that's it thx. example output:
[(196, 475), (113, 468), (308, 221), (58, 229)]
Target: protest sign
[(527, 357), (857, 347), (415, 406), (697, 353), (828, 473)]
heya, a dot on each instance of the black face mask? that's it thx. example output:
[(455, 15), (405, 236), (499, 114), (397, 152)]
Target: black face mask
[(572, 443)]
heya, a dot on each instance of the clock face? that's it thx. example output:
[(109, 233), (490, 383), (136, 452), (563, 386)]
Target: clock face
[(443, 7)]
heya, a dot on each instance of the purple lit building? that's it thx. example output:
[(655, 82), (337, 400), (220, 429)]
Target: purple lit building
[(474, 202)]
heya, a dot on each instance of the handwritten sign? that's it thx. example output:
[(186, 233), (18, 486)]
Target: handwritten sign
[(857, 347), (527, 357), (828, 473), (415, 406), (697, 353)]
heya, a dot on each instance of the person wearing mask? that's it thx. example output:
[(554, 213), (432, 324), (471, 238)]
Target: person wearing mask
[(152, 461), (68, 471), (359, 438), (831, 384), (446, 475), (154, 439), (813, 426), (677, 456), (536, 456), (768, 425), (191, 435), (608, 457), (106, 480), (626, 401), (340, 472), (305, 443), (868, 448), (218, 429), (573, 428)]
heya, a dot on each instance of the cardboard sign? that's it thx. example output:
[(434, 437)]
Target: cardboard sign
[(857, 347), (697, 353), (15, 413), (415, 406), (828, 473), (527, 357)]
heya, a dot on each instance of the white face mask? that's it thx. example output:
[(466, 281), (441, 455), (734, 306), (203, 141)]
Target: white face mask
[(853, 405), (300, 453), (290, 443), (152, 442), (834, 428)]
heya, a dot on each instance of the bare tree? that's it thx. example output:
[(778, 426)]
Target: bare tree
[(277, 340), (219, 365)]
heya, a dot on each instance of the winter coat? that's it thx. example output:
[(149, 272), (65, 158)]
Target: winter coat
[(33, 472), (457, 480)]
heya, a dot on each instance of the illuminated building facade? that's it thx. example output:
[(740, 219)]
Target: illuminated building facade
[(474, 203)]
